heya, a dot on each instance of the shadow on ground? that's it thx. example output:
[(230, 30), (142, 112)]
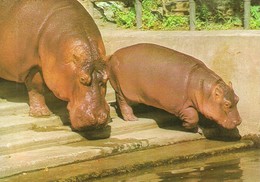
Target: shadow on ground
[(17, 93), (165, 120)]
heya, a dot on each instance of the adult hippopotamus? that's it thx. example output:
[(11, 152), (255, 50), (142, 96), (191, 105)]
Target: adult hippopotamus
[(170, 80), (56, 43)]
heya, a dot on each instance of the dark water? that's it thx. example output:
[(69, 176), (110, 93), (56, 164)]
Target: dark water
[(234, 167)]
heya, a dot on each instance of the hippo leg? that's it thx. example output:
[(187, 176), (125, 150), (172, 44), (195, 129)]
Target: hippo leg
[(34, 84), (126, 110), (190, 118)]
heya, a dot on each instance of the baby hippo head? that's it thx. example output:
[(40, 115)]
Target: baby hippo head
[(221, 106)]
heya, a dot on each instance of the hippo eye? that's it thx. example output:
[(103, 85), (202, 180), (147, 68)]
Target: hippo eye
[(101, 84)]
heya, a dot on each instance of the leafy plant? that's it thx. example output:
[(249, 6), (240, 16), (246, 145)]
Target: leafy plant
[(208, 16), (125, 19), (175, 22), (255, 17)]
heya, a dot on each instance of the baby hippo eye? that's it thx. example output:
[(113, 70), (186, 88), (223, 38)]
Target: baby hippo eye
[(227, 104)]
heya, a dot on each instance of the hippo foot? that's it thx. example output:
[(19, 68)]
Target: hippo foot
[(39, 111)]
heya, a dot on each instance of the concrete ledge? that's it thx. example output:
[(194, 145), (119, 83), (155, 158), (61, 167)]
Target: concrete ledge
[(17, 123), (11, 108), (50, 149)]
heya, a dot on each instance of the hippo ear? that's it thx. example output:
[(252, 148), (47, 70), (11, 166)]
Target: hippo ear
[(76, 60), (105, 75)]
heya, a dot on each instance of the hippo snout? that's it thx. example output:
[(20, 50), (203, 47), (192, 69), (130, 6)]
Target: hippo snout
[(82, 119)]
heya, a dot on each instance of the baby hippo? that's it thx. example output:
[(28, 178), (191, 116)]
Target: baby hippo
[(173, 81)]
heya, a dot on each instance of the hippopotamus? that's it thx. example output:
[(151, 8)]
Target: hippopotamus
[(57, 44), (175, 82)]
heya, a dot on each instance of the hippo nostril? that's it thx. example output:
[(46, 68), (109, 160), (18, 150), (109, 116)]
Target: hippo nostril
[(102, 118)]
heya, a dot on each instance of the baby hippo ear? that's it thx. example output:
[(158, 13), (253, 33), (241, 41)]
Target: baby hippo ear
[(230, 85), (218, 93)]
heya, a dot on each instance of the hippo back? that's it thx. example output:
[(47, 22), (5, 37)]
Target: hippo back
[(160, 72)]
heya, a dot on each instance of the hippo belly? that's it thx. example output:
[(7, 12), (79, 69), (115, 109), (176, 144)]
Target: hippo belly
[(163, 78)]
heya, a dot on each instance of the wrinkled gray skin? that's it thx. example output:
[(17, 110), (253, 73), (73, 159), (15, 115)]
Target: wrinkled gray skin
[(170, 80), (56, 42)]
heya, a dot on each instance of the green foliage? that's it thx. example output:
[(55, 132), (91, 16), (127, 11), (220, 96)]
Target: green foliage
[(124, 19), (176, 22), (151, 18), (255, 17), (208, 16)]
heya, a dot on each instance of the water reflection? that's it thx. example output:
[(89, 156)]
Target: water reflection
[(223, 171), (233, 167)]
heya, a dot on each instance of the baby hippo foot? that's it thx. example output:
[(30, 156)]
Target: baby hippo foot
[(39, 111), (129, 117), (190, 119), (192, 127)]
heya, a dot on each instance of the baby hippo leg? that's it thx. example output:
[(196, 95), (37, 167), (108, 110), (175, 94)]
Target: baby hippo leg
[(190, 118), (126, 110), (34, 84)]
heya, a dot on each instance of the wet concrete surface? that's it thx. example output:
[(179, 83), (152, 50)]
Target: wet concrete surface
[(133, 161), (234, 166)]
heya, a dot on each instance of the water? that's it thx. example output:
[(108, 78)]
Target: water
[(234, 167)]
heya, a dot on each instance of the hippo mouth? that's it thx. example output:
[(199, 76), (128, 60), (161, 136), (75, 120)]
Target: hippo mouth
[(86, 119), (227, 124)]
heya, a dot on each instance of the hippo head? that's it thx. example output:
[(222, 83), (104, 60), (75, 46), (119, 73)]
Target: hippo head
[(87, 105), (77, 73), (221, 106)]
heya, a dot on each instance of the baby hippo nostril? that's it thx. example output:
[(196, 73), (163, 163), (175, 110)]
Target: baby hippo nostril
[(237, 122)]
